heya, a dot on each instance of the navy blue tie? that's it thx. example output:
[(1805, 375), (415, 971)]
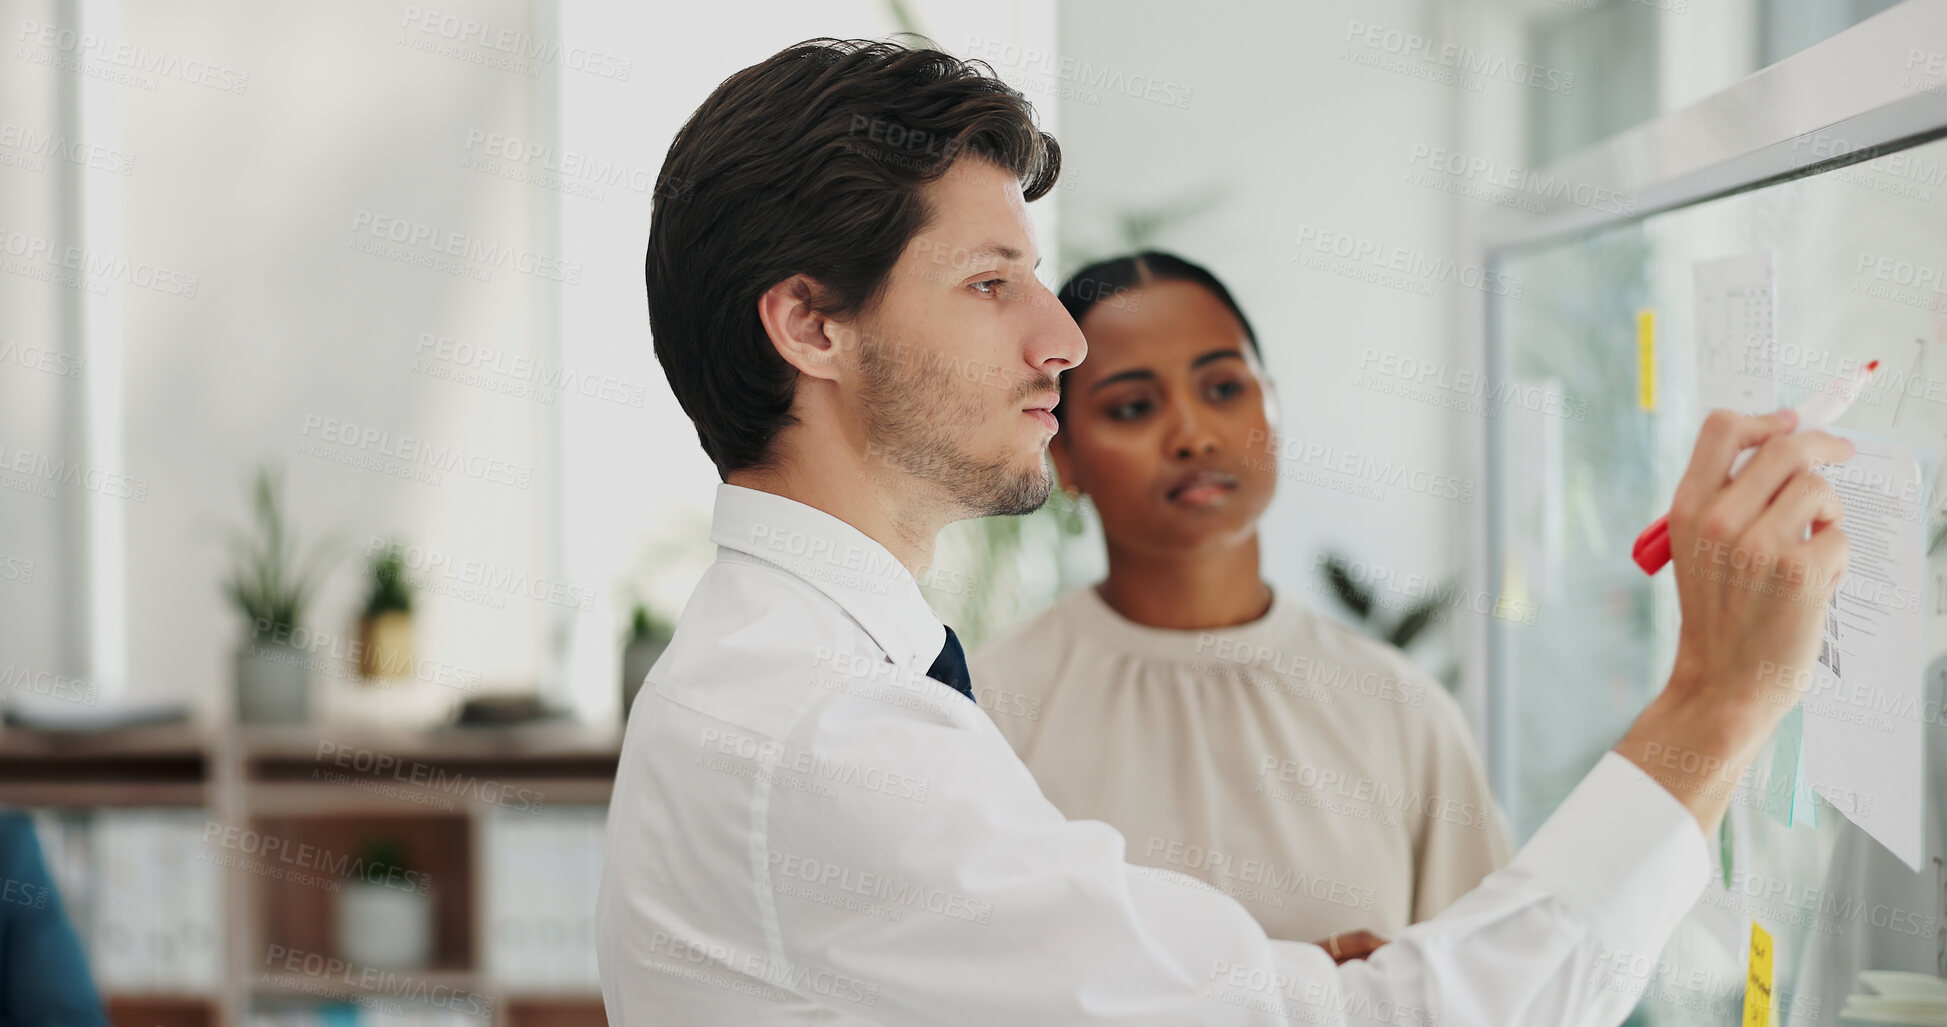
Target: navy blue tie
[(950, 666)]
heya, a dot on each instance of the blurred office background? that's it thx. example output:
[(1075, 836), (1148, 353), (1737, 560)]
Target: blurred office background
[(337, 311)]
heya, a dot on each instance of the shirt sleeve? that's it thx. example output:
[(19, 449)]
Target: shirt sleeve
[(1464, 836), (968, 898)]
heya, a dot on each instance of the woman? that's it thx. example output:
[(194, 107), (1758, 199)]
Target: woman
[(1229, 733)]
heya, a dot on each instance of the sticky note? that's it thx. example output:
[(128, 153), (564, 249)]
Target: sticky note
[(1646, 359), (1757, 981)]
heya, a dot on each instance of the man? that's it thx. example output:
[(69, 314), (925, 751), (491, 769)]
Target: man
[(812, 820)]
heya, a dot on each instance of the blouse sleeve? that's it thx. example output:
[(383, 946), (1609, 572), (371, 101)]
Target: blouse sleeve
[(1465, 836), (1002, 687)]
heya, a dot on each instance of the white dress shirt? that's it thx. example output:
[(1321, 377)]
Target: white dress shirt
[(805, 829)]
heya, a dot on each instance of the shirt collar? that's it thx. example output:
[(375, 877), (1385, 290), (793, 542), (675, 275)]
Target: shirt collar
[(846, 564)]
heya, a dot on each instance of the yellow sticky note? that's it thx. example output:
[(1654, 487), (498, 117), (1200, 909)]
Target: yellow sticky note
[(1646, 359), (1757, 985)]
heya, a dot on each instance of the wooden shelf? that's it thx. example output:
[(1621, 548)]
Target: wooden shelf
[(552, 1011), (129, 1010), (439, 856), (387, 798), (148, 766), (164, 740), (523, 1010), (328, 786), (529, 745), (95, 794), (403, 985), (333, 769)]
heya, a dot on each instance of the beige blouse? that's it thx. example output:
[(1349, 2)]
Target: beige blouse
[(1317, 776)]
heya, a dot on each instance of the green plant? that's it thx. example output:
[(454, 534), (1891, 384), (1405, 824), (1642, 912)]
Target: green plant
[(391, 591), (1364, 606), (677, 549), (271, 580), (1359, 600), (646, 625), (381, 856)]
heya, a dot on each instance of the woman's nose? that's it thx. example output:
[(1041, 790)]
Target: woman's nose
[(1192, 436)]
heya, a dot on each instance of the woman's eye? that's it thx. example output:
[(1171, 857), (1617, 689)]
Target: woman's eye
[(1225, 390), (990, 287), (1128, 411)]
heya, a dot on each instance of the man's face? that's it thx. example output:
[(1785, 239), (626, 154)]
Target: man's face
[(957, 361)]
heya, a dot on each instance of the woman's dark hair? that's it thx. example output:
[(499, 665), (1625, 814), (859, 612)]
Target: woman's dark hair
[(810, 162), (1110, 281), (1105, 281)]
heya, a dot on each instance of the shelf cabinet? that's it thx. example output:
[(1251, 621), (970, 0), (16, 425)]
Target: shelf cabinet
[(499, 829)]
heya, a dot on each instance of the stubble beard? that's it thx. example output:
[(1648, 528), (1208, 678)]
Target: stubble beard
[(915, 421)]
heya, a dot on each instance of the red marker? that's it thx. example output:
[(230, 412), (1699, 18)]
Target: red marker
[(1821, 411)]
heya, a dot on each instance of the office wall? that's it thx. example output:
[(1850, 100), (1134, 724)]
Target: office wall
[(41, 377), (249, 300), (279, 140), (372, 239), (1299, 133)]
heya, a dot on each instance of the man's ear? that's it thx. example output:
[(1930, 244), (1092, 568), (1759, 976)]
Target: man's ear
[(802, 335)]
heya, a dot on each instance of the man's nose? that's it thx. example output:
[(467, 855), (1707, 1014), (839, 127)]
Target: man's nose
[(1057, 343)]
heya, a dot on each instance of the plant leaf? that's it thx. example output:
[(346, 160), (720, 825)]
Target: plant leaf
[(1355, 596)]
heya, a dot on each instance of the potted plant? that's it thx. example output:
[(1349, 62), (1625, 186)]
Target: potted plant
[(271, 583), (648, 637), (385, 628), (1363, 603), (385, 910)]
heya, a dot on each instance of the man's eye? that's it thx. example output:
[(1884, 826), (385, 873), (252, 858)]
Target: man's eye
[(990, 287)]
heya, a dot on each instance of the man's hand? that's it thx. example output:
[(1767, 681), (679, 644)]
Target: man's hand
[(1352, 945), (1756, 559)]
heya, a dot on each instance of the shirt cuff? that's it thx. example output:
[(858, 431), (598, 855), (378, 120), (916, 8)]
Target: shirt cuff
[(1622, 849)]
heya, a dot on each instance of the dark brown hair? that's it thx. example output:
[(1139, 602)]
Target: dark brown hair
[(810, 162), (1111, 281)]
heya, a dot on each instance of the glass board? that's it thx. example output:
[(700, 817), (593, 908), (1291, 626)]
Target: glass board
[(1858, 262)]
